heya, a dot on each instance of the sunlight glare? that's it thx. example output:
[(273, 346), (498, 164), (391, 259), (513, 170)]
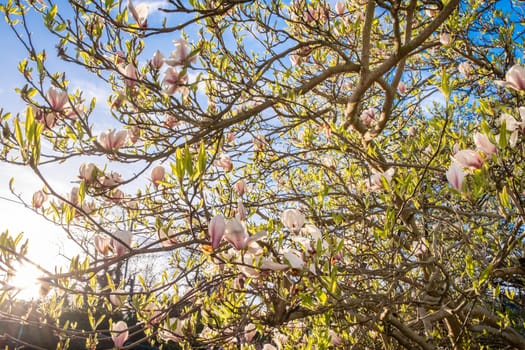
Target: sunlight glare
[(26, 281)]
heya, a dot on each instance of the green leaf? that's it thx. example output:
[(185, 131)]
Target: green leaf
[(503, 135), (445, 86), (504, 198)]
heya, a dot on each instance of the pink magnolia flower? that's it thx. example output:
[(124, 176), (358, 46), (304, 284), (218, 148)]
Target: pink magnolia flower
[(259, 142), (39, 197), (468, 158), (240, 187), (116, 297), (133, 134), (420, 248), (58, 100), (174, 82), (110, 180), (119, 333), (157, 175), (294, 258), (72, 196), (375, 182), (167, 238), (402, 88), (176, 335), (295, 59), (483, 144), (180, 56), (248, 260), (216, 230), (131, 75), (249, 332), (122, 245), (102, 243), (139, 13), (230, 137), (116, 196), (455, 176), (444, 39), (335, 339), (367, 117), (111, 140), (87, 172), (293, 219), (514, 78), (512, 125), (224, 162), (157, 60), (235, 233), (340, 8), (465, 68), (241, 210)]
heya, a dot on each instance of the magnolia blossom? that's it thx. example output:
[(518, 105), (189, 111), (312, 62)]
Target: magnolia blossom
[(340, 8), (87, 172), (157, 175), (412, 131), (468, 158), (157, 60), (121, 242), (375, 182), (230, 137), (513, 126), (119, 333), (293, 219), (174, 82), (236, 234), (465, 68), (131, 75), (251, 265), (180, 56), (455, 176), (176, 334), (419, 248), (111, 140), (294, 258), (102, 243), (240, 187), (111, 179), (116, 196), (249, 332), (216, 230), (334, 338), (514, 78), (139, 13), (367, 116), (133, 134), (444, 39), (295, 59), (224, 162), (402, 88), (483, 144), (58, 100), (72, 197), (259, 142), (117, 297), (167, 238), (241, 213), (39, 197)]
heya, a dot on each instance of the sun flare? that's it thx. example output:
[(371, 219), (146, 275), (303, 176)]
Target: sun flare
[(27, 283)]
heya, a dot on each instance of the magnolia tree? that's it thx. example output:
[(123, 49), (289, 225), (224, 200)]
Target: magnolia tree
[(308, 174)]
